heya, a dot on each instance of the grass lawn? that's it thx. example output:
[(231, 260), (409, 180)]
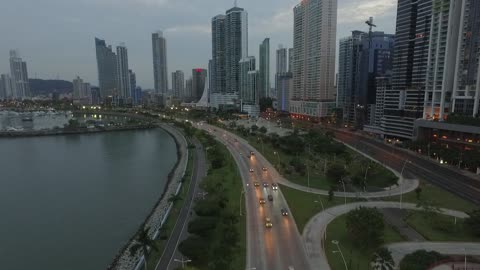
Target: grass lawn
[(438, 196), (160, 243), (432, 227), (358, 259), (304, 207)]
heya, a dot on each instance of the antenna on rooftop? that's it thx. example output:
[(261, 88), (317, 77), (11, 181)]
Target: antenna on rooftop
[(235, 4)]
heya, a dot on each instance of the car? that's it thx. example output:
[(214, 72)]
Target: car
[(262, 201), (252, 153), (256, 184), (284, 212), (264, 169), (265, 184), (270, 198), (268, 223), (274, 186), (252, 170)]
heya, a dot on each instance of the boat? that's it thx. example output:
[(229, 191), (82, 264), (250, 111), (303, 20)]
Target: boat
[(27, 119)]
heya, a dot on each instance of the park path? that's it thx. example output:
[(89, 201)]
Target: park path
[(315, 230)]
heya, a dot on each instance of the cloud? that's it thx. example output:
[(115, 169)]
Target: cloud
[(194, 28), (282, 21), (361, 10)]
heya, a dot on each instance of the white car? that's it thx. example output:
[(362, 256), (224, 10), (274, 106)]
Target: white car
[(274, 186), (251, 170)]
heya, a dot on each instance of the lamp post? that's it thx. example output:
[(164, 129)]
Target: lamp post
[(335, 242), (323, 210), (278, 158), (401, 184), (465, 265), (344, 190), (365, 179), (240, 204)]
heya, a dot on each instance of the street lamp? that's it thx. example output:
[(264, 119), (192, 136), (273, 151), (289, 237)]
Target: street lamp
[(365, 179), (183, 261), (241, 195), (344, 190), (335, 242), (278, 158), (323, 210), (401, 184)]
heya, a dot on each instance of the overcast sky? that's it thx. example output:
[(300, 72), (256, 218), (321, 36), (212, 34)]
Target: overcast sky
[(56, 37)]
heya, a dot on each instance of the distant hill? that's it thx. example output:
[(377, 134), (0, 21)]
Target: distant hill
[(45, 87)]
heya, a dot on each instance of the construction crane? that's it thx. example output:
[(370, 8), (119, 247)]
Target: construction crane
[(370, 24)]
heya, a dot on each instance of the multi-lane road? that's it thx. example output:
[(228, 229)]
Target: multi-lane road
[(415, 166), (280, 247)]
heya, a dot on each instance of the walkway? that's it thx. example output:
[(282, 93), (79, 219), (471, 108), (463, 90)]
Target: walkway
[(316, 227)]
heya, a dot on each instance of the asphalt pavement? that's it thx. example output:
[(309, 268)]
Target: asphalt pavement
[(279, 247), (167, 261), (415, 166)]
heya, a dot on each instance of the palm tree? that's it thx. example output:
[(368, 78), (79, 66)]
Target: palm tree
[(144, 242), (175, 198)]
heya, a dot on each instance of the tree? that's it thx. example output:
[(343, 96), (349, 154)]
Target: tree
[(265, 103), (331, 193), (382, 260), (263, 130), (175, 198), (365, 226), (336, 172), (473, 222), (420, 260), (202, 226), (418, 192), (144, 242), (254, 128), (194, 248)]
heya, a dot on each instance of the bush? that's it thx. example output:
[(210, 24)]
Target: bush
[(207, 208), (420, 260), (194, 248), (365, 226), (202, 226), (336, 172), (473, 222)]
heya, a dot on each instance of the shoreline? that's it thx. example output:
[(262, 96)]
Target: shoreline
[(66, 132), (160, 211)]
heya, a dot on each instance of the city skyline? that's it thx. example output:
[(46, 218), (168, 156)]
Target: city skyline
[(272, 18)]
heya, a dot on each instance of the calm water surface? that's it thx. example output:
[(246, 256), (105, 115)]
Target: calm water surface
[(70, 202)]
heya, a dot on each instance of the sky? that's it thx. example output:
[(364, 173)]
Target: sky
[(56, 37)]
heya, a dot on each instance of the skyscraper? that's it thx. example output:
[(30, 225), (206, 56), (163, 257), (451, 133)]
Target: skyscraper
[(284, 86), (82, 92), (178, 84), (160, 73), (362, 58), (265, 68), (107, 69), (452, 81), (247, 93), (19, 76), (133, 86), (291, 59), (188, 88), (282, 60), (123, 76), (236, 46), (218, 72), (199, 80), (314, 41), (404, 102)]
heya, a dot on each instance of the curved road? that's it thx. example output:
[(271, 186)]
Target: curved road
[(400, 250), (280, 247), (317, 226)]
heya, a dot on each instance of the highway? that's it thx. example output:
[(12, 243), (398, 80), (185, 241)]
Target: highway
[(280, 247), (416, 167)]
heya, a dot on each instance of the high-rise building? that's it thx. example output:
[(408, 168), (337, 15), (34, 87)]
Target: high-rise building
[(264, 70), (236, 46), (160, 73), (178, 84), (107, 69), (133, 87), (452, 81), (291, 59), (211, 76), (248, 95), (362, 58), (19, 76), (218, 72), (282, 60), (188, 88), (199, 80), (404, 101), (3, 86), (123, 75), (314, 41), (284, 86), (82, 92)]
